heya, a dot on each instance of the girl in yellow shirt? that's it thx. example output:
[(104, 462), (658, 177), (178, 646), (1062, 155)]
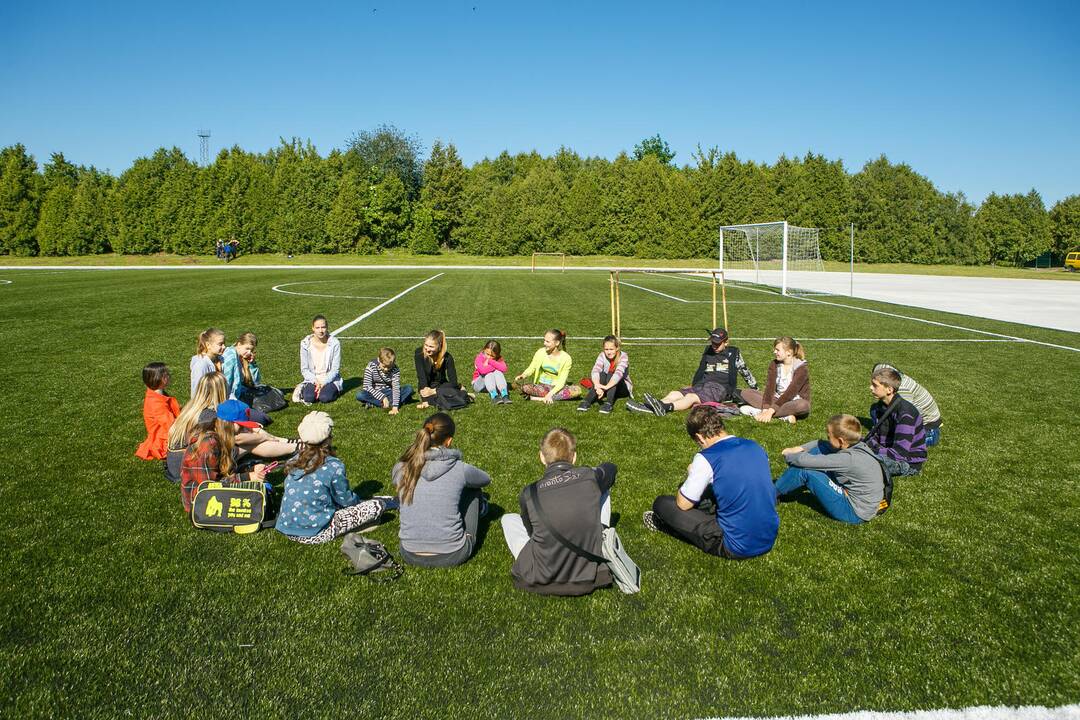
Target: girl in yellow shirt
[(550, 367)]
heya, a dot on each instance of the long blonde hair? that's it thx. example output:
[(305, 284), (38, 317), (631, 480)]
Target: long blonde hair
[(435, 431), (791, 345), (209, 393), (202, 343), (226, 436), (247, 338), (440, 337)]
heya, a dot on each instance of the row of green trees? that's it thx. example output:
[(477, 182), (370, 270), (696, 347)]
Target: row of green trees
[(378, 194)]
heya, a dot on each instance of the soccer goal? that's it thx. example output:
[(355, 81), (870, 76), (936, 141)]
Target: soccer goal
[(561, 256), (715, 278), (773, 253)]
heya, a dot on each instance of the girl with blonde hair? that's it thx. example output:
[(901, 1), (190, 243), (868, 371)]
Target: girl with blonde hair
[(209, 345), (787, 386)]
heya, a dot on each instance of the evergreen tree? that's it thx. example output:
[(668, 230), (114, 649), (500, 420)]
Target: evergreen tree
[(388, 211), (422, 238), (443, 193), (387, 151), (53, 220), (346, 223), (655, 146), (88, 221), (1065, 225), (20, 195), (1014, 228)]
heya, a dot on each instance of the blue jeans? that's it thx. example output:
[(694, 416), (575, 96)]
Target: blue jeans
[(828, 493), (405, 392)]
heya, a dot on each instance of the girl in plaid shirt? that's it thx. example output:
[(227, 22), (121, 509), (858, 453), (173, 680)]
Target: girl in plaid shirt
[(210, 458)]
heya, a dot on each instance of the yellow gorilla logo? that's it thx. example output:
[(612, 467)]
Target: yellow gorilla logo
[(213, 507)]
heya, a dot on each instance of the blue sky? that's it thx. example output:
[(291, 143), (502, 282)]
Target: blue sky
[(979, 97)]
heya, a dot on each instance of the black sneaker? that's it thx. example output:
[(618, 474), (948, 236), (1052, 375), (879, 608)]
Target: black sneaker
[(655, 405), (389, 502), (606, 408), (484, 507), (638, 408), (648, 519), (584, 406)]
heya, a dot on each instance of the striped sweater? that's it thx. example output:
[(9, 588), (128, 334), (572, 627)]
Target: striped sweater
[(383, 383), (901, 436)]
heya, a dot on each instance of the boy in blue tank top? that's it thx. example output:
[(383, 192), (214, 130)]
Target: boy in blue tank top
[(727, 504)]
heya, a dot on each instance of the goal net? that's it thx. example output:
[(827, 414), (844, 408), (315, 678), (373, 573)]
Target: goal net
[(775, 253), (688, 300)]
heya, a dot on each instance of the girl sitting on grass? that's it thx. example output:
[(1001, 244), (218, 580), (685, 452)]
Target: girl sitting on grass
[(436, 374), (159, 412), (441, 501), (787, 387), (318, 504), (490, 373), (242, 373), (610, 377), (550, 367), (207, 358), (209, 458)]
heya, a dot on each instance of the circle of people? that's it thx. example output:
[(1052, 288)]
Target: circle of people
[(726, 506)]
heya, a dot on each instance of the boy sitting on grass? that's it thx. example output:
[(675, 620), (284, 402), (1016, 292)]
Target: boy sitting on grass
[(571, 501), (923, 401), (844, 475), (382, 383), (896, 432), (727, 504)]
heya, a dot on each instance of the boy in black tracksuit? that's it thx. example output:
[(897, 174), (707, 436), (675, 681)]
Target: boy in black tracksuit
[(714, 381), (576, 501)]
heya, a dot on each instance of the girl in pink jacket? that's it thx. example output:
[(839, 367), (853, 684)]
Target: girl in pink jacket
[(490, 373)]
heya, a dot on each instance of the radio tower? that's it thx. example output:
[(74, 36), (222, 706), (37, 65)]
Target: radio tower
[(204, 147)]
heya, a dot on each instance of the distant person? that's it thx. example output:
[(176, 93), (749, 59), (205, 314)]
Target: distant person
[(714, 382), (574, 502), (610, 377), (896, 432), (489, 373), (382, 386), (320, 364), (219, 249), (440, 496), (787, 386), (436, 375), (727, 504), (207, 358), (549, 371), (317, 504), (232, 248), (844, 474), (159, 412), (923, 401)]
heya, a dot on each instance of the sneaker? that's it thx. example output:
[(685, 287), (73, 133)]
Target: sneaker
[(584, 406), (648, 519), (606, 408), (750, 411), (655, 405), (389, 502), (638, 408), (505, 400), (484, 507)]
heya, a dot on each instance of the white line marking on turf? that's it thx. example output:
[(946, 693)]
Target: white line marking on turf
[(654, 292), (1012, 338), (982, 712), (679, 340), (5, 282), (380, 306), (277, 288)]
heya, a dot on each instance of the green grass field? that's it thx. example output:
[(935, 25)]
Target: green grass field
[(113, 605)]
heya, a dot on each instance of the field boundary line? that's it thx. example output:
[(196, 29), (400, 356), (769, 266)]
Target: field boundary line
[(654, 292), (1013, 338), (981, 712), (381, 305), (684, 340)]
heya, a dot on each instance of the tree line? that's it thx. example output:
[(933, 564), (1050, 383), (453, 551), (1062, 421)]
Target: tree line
[(378, 194)]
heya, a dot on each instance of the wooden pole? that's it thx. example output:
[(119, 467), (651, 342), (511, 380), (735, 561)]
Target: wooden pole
[(723, 298), (611, 293), (618, 308), (713, 299)]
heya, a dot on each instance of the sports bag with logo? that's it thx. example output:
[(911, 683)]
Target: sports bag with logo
[(238, 508)]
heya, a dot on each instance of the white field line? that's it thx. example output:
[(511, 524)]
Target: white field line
[(381, 305), (5, 282), (277, 288), (654, 292), (663, 340), (444, 268), (1012, 338), (983, 712)]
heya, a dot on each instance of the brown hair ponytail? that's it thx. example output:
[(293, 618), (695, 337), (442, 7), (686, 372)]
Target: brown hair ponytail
[(792, 345), (435, 431)]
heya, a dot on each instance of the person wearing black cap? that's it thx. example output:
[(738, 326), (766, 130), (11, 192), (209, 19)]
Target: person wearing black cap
[(714, 381)]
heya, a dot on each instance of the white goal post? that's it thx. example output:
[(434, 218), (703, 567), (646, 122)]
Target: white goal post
[(774, 252)]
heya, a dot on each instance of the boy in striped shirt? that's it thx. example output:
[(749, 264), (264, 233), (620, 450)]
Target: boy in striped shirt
[(382, 383), (923, 401), (896, 434)]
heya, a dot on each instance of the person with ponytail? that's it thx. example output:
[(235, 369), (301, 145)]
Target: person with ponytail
[(440, 496), (436, 375), (787, 386), (207, 358), (320, 364), (239, 367), (550, 367), (318, 505)]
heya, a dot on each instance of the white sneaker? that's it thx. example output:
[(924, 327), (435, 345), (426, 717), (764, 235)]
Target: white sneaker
[(750, 410)]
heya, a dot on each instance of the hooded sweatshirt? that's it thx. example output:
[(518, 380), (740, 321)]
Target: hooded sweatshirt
[(856, 469), (432, 522)]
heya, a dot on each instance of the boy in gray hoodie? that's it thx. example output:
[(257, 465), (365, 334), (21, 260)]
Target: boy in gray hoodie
[(844, 475)]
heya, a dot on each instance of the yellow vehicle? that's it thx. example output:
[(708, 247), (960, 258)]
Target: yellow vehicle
[(1072, 261)]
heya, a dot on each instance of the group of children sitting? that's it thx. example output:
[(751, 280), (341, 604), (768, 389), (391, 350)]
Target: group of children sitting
[(726, 506)]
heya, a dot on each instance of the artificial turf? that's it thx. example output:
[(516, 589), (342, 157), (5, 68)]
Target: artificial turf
[(964, 593)]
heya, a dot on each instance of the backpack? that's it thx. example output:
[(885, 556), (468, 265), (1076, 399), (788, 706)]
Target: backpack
[(368, 556), (267, 399), (448, 397), (238, 508)]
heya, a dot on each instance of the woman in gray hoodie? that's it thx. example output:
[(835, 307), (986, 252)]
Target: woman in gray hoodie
[(844, 475), (441, 500)]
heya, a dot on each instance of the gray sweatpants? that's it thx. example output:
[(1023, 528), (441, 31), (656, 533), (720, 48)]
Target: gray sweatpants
[(492, 383)]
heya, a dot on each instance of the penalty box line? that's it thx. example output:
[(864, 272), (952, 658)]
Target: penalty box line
[(381, 305)]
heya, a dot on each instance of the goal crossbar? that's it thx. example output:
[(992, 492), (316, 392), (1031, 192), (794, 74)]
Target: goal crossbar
[(548, 254), (615, 280)]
